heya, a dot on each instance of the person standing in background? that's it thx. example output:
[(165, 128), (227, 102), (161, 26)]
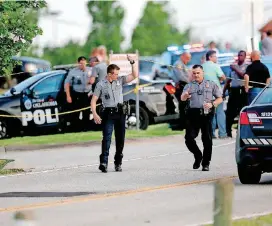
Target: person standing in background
[(256, 72), (237, 95), (213, 72), (182, 77)]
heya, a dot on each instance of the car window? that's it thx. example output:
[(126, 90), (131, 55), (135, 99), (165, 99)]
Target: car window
[(49, 85), (265, 97), (146, 66)]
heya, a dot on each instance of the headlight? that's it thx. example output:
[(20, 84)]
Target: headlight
[(31, 68)]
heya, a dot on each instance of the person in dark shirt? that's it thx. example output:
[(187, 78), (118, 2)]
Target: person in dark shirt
[(256, 72)]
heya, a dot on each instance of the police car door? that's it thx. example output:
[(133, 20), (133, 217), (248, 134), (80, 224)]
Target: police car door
[(41, 107)]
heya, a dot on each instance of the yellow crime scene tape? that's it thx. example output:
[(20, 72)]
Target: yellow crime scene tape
[(135, 90)]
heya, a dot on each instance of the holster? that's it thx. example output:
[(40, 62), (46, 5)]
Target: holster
[(125, 107)]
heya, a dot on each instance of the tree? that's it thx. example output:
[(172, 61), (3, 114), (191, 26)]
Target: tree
[(155, 32), (107, 17), (67, 54), (16, 30)]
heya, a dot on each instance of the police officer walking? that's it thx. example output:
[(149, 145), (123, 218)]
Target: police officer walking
[(77, 86), (113, 114), (200, 112)]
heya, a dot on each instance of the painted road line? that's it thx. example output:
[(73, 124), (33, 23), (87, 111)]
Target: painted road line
[(109, 195), (96, 164)]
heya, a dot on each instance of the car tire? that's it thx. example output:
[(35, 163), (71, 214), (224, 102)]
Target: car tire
[(4, 132), (249, 175), (144, 118)]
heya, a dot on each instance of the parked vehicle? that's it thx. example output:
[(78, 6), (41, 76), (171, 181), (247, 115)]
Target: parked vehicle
[(254, 139), (26, 67)]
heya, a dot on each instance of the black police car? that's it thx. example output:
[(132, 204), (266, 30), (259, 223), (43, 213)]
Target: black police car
[(34, 104), (254, 138)]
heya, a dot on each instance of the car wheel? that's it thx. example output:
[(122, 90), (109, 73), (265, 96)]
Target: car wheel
[(249, 175), (3, 129), (131, 118)]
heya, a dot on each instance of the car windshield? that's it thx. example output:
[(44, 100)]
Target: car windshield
[(145, 66), (265, 97), (24, 84), (269, 66)]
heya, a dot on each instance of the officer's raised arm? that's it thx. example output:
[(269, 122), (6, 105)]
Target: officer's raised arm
[(133, 75), (96, 95)]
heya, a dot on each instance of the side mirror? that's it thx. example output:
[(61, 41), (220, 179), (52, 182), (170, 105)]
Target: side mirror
[(12, 90), (164, 66)]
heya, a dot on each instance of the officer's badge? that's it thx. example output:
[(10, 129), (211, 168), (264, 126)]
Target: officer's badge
[(118, 83), (207, 85)]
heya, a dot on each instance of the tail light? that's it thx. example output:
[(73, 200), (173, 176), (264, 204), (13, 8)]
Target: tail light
[(170, 89), (249, 118)]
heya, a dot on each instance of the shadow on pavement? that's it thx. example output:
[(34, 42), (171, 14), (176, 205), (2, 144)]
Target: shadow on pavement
[(43, 194)]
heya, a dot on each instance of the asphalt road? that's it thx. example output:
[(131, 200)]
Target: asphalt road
[(157, 186)]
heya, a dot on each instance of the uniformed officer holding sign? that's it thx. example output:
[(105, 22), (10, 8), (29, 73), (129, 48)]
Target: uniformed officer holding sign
[(114, 112), (79, 80), (200, 112)]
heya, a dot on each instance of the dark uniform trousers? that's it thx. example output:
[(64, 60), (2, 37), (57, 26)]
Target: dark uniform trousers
[(237, 100), (182, 104), (113, 118), (196, 121), (80, 100)]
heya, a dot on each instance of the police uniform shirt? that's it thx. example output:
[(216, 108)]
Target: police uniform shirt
[(180, 72), (100, 71), (235, 82), (205, 91), (80, 80), (257, 72), (111, 93)]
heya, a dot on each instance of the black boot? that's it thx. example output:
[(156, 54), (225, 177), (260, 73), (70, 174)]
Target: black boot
[(198, 159), (205, 168), (103, 167), (118, 168)]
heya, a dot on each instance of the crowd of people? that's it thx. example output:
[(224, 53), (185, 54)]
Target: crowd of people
[(243, 84)]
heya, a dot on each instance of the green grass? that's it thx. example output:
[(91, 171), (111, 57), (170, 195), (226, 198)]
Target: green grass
[(11, 171), (258, 221), (4, 162), (152, 131)]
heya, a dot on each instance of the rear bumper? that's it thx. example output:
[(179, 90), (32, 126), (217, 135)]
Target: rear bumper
[(256, 156)]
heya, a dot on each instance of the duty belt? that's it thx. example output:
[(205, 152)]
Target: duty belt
[(199, 111)]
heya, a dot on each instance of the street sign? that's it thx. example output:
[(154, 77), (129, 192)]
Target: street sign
[(125, 68)]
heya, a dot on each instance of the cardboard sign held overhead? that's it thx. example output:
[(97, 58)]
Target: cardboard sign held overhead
[(125, 68)]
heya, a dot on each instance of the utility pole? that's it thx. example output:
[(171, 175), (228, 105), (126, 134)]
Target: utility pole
[(252, 24)]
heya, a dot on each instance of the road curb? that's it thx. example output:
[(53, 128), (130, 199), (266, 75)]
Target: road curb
[(14, 148)]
